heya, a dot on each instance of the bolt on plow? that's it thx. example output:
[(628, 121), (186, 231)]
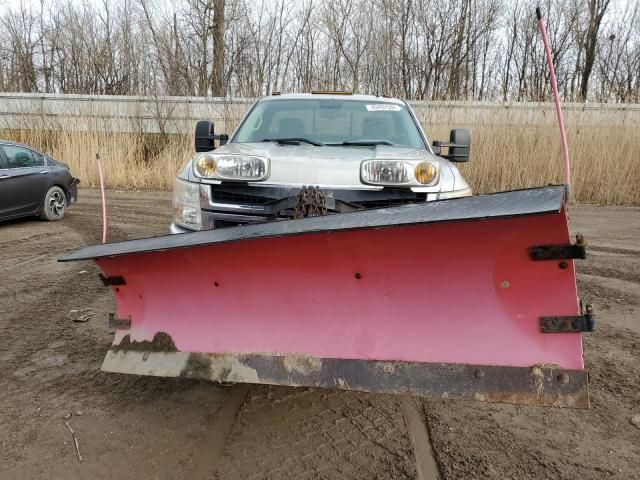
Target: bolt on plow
[(470, 298)]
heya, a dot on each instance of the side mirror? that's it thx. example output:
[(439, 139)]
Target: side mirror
[(459, 146), (205, 137)]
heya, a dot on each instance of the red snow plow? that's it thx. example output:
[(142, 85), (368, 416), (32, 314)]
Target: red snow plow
[(471, 298), (467, 298)]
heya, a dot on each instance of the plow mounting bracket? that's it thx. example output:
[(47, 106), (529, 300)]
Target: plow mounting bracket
[(119, 323), (567, 324), (112, 281), (558, 252)]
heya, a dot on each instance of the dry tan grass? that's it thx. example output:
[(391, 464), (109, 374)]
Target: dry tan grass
[(129, 160), (605, 160)]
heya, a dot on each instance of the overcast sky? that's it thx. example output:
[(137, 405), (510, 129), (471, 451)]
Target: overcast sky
[(617, 7)]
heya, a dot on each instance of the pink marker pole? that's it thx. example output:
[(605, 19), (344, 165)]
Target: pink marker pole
[(104, 203), (556, 98)]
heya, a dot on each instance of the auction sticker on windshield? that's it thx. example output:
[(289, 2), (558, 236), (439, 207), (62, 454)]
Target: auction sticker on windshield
[(384, 107)]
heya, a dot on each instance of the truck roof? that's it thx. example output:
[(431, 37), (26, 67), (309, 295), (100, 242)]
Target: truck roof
[(332, 96)]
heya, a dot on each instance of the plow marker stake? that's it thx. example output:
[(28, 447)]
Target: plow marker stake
[(556, 99), (438, 299)]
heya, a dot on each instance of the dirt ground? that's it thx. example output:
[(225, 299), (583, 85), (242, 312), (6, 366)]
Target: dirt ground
[(135, 427)]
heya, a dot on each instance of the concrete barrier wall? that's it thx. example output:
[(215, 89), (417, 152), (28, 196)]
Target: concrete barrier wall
[(179, 114)]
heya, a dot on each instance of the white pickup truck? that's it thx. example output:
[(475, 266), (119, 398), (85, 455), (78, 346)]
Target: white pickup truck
[(299, 155)]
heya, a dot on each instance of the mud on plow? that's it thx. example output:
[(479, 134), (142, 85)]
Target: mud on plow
[(470, 298)]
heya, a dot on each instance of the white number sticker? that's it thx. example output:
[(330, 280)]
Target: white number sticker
[(384, 107)]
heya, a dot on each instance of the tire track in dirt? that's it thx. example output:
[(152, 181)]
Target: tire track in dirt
[(426, 464), (611, 272), (594, 290), (305, 433), (614, 250), (208, 459)]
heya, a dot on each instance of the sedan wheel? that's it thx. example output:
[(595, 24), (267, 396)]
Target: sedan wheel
[(54, 205)]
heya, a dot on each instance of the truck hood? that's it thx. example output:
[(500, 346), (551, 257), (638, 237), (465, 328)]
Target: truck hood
[(326, 166)]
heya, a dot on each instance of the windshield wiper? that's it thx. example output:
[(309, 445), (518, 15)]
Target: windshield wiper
[(293, 141), (366, 143)]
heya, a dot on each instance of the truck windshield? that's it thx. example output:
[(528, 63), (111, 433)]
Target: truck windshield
[(330, 123)]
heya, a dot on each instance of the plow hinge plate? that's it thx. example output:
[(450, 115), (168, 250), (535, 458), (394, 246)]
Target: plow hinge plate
[(579, 323), (112, 281), (118, 323), (558, 252)]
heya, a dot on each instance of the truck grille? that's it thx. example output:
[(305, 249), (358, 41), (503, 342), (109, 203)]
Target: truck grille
[(238, 198), (388, 198), (391, 202)]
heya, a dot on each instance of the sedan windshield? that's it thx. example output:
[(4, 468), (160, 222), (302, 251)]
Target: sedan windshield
[(330, 123)]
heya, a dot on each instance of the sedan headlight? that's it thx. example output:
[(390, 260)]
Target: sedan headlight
[(186, 204), (398, 172), (248, 168)]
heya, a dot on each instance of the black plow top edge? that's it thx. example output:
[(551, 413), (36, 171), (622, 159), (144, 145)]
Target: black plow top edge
[(514, 203)]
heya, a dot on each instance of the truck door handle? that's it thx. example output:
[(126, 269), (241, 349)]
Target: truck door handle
[(44, 171), (3, 177)]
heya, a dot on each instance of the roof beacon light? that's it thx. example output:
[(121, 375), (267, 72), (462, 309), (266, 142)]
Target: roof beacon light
[(330, 92)]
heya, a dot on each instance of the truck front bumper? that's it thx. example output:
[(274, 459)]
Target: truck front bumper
[(214, 219), (229, 205)]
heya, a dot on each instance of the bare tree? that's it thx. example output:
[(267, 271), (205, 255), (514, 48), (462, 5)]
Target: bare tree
[(217, 86), (597, 10), (417, 49)]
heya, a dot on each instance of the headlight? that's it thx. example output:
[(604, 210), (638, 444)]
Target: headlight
[(425, 172), (386, 172), (398, 172), (205, 166), (186, 204), (231, 167)]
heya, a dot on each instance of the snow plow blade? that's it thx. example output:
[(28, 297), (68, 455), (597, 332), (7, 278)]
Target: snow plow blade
[(472, 298)]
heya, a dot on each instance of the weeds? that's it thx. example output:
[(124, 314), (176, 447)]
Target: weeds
[(605, 159)]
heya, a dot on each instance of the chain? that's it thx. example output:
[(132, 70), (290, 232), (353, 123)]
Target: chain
[(313, 210), (300, 206), (323, 203), (318, 205)]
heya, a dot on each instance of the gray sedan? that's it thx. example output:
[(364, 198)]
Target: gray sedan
[(32, 183)]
